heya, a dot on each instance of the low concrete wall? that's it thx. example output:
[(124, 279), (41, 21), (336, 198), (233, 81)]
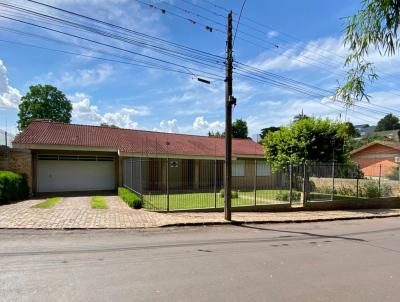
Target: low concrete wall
[(372, 203), (280, 207), (350, 204), (17, 160)]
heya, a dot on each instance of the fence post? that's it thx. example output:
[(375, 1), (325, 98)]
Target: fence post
[(379, 180), (167, 179), (304, 183), (255, 182), (358, 186), (215, 183), (290, 183), (333, 181), (141, 180)]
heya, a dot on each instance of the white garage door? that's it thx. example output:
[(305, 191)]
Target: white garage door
[(58, 173)]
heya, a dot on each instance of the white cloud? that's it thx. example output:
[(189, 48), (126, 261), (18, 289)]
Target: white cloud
[(120, 119), (83, 111), (200, 123), (170, 126), (326, 51), (269, 103), (9, 96), (86, 77), (272, 34), (137, 111)]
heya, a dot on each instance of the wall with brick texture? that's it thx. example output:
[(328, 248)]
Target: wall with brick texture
[(374, 158), (17, 160)]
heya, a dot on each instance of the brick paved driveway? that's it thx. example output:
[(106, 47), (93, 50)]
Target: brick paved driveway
[(75, 212)]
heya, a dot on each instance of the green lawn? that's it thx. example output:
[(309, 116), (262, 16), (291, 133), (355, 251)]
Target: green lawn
[(207, 200), (203, 200), (48, 203), (98, 202)]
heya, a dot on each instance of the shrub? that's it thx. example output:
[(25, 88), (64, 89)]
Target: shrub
[(346, 191), (394, 174), (13, 186), (325, 190), (370, 189), (284, 196), (234, 194), (132, 199)]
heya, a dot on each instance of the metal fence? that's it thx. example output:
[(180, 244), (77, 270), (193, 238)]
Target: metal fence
[(6, 138), (173, 184)]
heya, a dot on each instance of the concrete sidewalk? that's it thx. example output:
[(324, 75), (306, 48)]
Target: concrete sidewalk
[(75, 213)]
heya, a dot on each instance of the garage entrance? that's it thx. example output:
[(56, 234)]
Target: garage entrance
[(68, 173)]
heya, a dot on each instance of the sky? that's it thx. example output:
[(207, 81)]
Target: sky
[(301, 40)]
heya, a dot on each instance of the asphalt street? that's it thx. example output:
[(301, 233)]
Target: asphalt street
[(357, 260)]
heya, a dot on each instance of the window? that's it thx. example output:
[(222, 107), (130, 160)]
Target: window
[(263, 169), (238, 168)]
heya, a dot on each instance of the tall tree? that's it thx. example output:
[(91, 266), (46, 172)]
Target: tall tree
[(300, 116), (374, 27), (311, 139), (216, 133), (44, 102), (239, 129), (388, 122), (265, 131)]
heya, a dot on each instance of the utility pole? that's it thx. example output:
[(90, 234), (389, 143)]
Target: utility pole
[(229, 102)]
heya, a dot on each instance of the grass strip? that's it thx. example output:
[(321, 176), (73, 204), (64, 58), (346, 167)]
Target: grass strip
[(48, 203), (98, 202)]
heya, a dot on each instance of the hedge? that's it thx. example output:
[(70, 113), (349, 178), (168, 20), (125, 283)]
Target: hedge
[(13, 186), (132, 199)]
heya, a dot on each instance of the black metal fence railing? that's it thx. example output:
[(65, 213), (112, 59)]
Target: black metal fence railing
[(174, 184)]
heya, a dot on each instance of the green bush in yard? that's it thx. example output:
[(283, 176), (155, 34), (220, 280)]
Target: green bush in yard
[(370, 189), (234, 194), (13, 186), (346, 191), (284, 196), (132, 199)]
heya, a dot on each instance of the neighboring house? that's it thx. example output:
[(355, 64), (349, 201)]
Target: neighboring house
[(379, 157), (69, 157), (365, 129), (391, 134)]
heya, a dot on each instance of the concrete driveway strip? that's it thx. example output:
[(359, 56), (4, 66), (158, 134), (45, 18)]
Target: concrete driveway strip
[(332, 261)]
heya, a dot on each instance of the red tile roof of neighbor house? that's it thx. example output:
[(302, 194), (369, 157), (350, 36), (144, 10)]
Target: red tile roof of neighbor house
[(390, 144), (41, 132)]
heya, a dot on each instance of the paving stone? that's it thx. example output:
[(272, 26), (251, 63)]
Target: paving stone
[(75, 212)]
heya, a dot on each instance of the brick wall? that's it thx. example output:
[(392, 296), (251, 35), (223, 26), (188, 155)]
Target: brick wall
[(17, 160), (375, 158)]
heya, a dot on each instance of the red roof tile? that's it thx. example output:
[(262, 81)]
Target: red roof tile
[(131, 141), (390, 144)]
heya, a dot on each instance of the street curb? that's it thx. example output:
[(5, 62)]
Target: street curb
[(235, 222), (211, 223)]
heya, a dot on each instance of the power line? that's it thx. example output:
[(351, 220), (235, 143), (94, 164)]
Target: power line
[(103, 44), (238, 22)]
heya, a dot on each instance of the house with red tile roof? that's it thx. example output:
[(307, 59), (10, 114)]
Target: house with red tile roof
[(377, 158), (70, 157)]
